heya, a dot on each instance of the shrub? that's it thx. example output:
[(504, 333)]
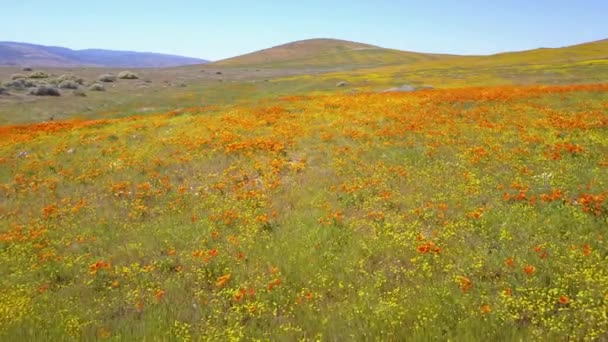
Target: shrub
[(15, 85), (44, 90), (20, 84), (70, 77), (39, 74), (68, 84), (3, 90), (107, 78), (18, 76), (28, 83), (341, 84), (97, 87), (79, 93), (26, 69), (128, 75)]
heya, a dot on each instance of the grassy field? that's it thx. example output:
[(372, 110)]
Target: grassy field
[(461, 214), (312, 67), (156, 91)]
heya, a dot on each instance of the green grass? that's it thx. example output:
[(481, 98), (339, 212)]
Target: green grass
[(341, 217)]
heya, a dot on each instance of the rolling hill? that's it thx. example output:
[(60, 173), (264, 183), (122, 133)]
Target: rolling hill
[(581, 63), (22, 54), (326, 53)]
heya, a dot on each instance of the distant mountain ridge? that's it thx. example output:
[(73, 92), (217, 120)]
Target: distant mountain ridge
[(25, 54)]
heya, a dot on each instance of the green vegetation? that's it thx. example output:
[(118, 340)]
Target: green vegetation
[(286, 195), (303, 68), (465, 214)]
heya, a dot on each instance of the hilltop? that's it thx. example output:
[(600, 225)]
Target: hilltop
[(24, 54), (327, 53)]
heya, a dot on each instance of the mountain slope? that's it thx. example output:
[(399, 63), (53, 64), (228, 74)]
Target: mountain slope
[(13, 53), (327, 53)]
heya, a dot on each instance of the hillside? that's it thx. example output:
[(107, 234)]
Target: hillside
[(16, 54), (325, 53), (582, 63), (569, 54)]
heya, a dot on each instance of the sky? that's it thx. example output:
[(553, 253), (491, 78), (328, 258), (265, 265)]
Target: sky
[(220, 29)]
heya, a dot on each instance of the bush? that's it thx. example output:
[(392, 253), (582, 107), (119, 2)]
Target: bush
[(15, 85), (79, 93), (97, 87), (107, 78), (26, 69), (39, 74), (29, 83), (341, 84), (128, 75), (67, 84), (3, 90), (70, 77), (20, 84), (44, 90), (18, 76)]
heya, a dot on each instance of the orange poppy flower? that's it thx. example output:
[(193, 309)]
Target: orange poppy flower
[(529, 269), (221, 281)]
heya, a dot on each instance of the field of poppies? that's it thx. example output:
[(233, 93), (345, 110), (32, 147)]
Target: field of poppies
[(473, 213)]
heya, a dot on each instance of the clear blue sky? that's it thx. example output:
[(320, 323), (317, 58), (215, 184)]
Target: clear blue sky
[(224, 28)]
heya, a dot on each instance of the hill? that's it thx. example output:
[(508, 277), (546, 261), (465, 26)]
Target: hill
[(15, 54), (327, 53), (581, 63)]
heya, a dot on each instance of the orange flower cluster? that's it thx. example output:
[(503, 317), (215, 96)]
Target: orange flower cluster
[(244, 293), (99, 265), (428, 247), (593, 204), (555, 195), (274, 283), (223, 280), (465, 284)]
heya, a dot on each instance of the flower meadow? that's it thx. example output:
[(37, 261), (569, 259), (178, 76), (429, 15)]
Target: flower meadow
[(462, 214)]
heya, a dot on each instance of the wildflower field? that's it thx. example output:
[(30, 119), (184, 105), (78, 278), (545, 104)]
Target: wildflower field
[(473, 213)]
